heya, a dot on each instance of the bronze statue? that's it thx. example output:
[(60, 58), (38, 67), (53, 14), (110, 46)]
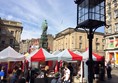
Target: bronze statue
[(44, 27), (43, 42)]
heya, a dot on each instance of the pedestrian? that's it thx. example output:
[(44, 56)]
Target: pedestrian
[(70, 67), (46, 71), (109, 69), (21, 78), (18, 72), (102, 72), (13, 78), (66, 76), (57, 78), (2, 74), (96, 71), (27, 75)]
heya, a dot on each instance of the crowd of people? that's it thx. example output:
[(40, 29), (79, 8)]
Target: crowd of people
[(14, 76), (64, 75)]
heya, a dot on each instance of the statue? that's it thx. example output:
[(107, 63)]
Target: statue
[(44, 27), (44, 38), (43, 42)]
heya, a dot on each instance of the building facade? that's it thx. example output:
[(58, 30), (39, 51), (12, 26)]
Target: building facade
[(24, 46), (50, 42), (111, 31), (30, 45), (77, 40), (10, 34)]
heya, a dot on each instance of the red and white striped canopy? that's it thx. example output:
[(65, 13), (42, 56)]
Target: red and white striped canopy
[(41, 55), (96, 57), (68, 55)]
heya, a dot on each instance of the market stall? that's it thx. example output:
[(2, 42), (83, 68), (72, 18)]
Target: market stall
[(37, 56), (96, 57), (9, 54), (67, 55), (9, 59), (40, 55)]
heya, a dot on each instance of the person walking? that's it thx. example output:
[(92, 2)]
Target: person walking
[(109, 69)]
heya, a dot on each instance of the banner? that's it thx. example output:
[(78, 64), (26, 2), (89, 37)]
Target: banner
[(116, 60)]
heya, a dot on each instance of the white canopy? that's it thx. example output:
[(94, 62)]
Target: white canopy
[(96, 57), (9, 54), (67, 55)]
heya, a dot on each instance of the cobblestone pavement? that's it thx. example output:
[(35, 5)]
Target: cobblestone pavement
[(114, 77)]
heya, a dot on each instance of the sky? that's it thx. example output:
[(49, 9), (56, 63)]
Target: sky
[(60, 15)]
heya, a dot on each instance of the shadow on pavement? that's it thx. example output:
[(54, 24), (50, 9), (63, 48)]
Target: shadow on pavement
[(114, 77)]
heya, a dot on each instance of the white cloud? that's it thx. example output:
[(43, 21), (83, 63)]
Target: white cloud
[(30, 34), (9, 17), (60, 14)]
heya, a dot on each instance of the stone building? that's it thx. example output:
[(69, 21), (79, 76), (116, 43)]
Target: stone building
[(10, 34), (111, 31), (77, 40), (24, 46), (50, 42), (30, 45)]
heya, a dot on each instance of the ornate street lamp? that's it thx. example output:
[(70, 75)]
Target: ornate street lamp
[(90, 16)]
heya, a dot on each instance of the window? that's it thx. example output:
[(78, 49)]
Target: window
[(111, 42), (102, 46), (114, 1), (80, 37), (116, 27), (109, 16), (11, 41), (3, 31), (80, 45), (2, 42), (103, 40), (115, 13), (97, 47), (116, 41), (96, 39), (12, 32), (109, 29), (108, 7)]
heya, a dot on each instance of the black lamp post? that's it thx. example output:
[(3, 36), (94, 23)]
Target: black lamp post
[(90, 16)]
